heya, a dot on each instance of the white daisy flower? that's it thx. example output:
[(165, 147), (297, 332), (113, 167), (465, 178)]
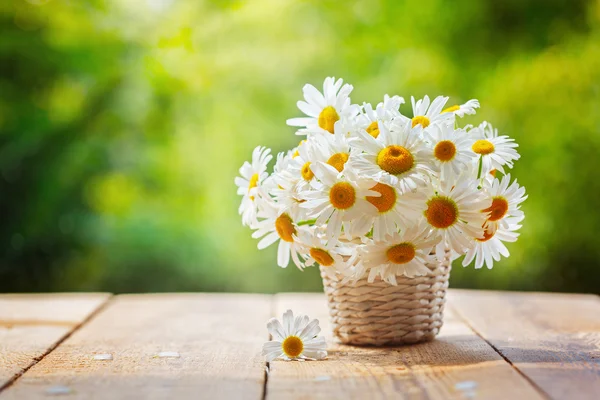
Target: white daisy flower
[(338, 199), (451, 149), (252, 176), (278, 225), (283, 187), (490, 247), (398, 157), (506, 202), (385, 111), (336, 257), (464, 109), (394, 211), (335, 149), (426, 112), (495, 151), (453, 211), (404, 253), (325, 109), (307, 153), (295, 339)]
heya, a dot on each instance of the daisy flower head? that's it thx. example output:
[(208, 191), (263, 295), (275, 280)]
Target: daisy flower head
[(490, 247), (453, 211), (278, 225), (307, 153), (252, 176), (395, 211), (284, 189), (295, 339), (495, 151), (335, 149), (405, 253), (333, 256), (506, 199), (397, 157), (463, 109), (323, 110), (384, 112), (337, 199), (451, 149), (427, 112)]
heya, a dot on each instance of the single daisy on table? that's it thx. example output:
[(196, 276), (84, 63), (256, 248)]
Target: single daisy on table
[(333, 256), (278, 225), (398, 157), (451, 149), (464, 109), (252, 176), (385, 111), (324, 109), (506, 201), (453, 211), (337, 199), (490, 247), (495, 151), (295, 339), (405, 253)]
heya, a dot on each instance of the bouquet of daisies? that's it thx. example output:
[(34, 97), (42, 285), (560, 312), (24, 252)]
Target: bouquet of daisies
[(372, 192)]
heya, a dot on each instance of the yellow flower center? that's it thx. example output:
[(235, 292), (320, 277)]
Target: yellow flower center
[(285, 227), (253, 183), (395, 159), (442, 212), (483, 147), (342, 195), (498, 209), (401, 253), (306, 172), (451, 109), (420, 119), (493, 172), (322, 257), (444, 150), (328, 118), (386, 201), (373, 129), (292, 346), (338, 160), (487, 235)]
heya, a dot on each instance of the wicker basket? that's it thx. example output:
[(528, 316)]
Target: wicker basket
[(380, 314)]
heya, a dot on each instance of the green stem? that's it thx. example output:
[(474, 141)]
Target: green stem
[(307, 222), (480, 167)]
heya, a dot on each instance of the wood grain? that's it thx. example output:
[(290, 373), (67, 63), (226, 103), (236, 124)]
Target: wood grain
[(31, 325), (218, 338), (458, 365), (553, 339)]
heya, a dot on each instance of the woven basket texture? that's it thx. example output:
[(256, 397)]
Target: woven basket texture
[(380, 314)]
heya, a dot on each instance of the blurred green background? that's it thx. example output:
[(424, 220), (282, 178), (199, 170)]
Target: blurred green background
[(123, 124)]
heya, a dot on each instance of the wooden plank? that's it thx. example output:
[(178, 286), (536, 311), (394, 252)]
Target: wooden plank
[(31, 325), (553, 339), (218, 338), (458, 365)]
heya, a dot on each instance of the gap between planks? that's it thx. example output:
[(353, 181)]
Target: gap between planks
[(75, 327)]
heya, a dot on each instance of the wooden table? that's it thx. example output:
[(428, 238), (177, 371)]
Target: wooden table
[(494, 345)]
